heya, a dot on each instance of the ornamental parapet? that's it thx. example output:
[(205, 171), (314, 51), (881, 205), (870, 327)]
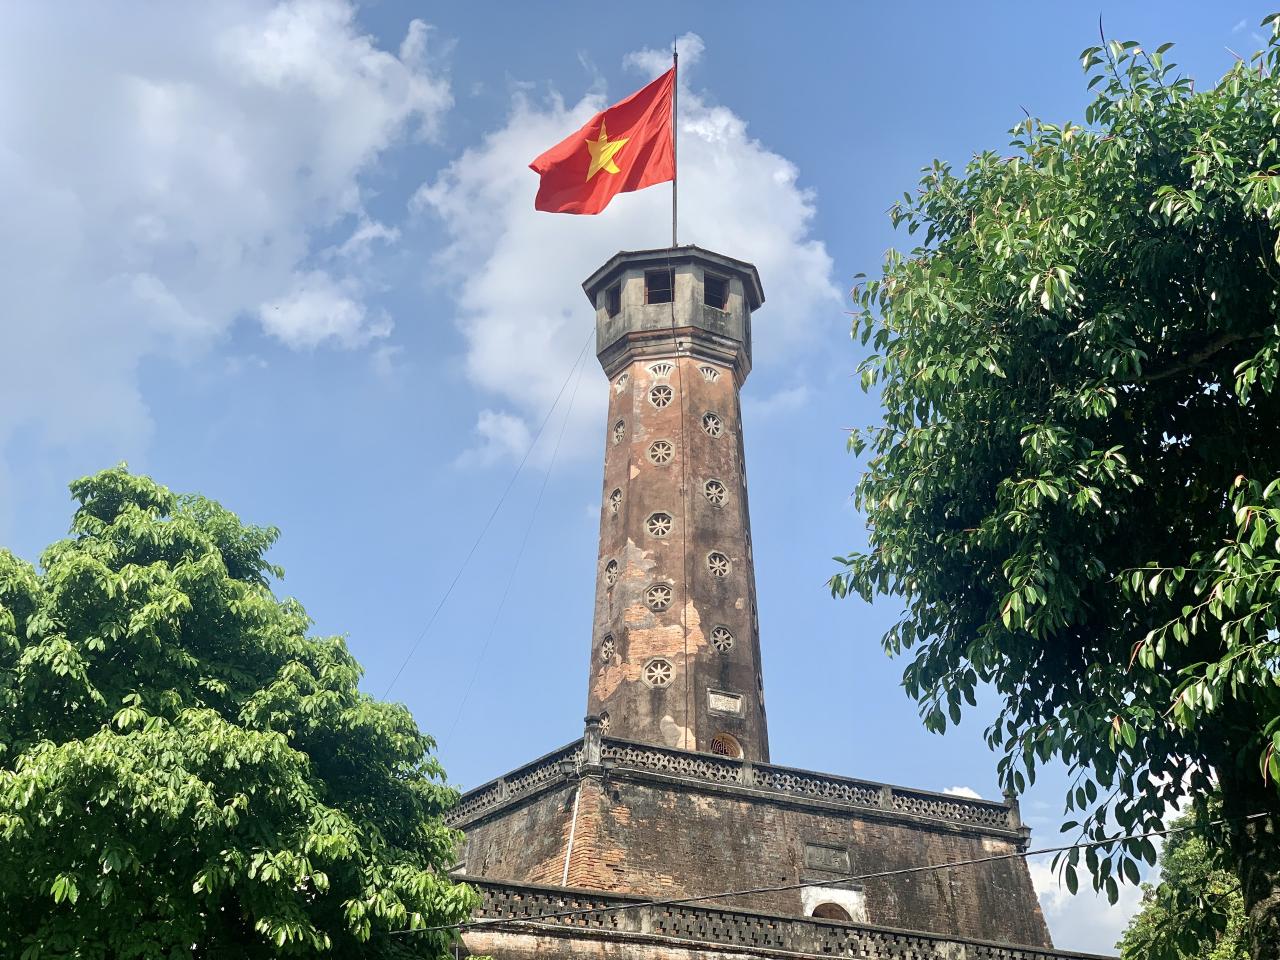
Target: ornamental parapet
[(524, 910), (763, 781)]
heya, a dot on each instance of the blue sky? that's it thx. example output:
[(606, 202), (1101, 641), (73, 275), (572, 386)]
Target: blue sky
[(285, 255)]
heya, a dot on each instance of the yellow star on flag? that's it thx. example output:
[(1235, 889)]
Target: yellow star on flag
[(602, 153)]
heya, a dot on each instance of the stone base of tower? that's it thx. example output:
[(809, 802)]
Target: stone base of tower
[(637, 820)]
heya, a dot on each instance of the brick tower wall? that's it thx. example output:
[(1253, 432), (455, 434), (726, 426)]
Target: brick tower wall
[(675, 656), (658, 837)]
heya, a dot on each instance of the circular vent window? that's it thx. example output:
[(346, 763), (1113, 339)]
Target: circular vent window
[(611, 573), (716, 492), (659, 596), (615, 501), (661, 451), (722, 639), (658, 524), (607, 648), (718, 564), (658, 673), (712, 425), (619, 431), (660, 395)]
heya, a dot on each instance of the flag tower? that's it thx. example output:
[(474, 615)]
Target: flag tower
[(676, 653), (665, 832)]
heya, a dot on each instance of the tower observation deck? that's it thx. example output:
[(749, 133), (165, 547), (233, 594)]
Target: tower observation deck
[(675, 648)]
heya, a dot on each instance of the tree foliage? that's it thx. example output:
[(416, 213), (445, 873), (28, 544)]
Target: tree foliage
[(184, 772), (1195, 912), (1075, 491)]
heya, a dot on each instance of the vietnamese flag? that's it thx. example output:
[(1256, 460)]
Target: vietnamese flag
[(626, 147)]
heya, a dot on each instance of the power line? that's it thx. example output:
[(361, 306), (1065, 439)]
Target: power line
[(488, 522), (779, 888), (515, 566)]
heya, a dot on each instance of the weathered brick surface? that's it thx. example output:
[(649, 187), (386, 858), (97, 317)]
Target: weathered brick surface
[(527, 842), (696, 357), (658, 837)]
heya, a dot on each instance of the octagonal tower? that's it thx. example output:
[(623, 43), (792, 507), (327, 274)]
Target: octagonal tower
[(675, 650)]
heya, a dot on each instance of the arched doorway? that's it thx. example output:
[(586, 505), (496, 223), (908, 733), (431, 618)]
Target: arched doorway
[(831, 911)]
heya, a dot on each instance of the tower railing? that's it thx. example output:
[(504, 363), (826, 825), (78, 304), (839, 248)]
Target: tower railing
[(761, 779), (507, 908)]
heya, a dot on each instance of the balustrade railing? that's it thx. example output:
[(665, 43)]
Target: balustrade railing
[(527, 907), (762, 777)]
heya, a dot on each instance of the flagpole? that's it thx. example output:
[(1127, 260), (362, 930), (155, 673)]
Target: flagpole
[(675, 166)]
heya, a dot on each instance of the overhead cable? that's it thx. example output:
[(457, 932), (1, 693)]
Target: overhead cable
[(489, 521)]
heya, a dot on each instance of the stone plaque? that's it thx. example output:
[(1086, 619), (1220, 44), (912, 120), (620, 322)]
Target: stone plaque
[(723, 702), (820, 857)]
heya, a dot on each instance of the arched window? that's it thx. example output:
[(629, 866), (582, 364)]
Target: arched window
[(831, 911), (726, 745)]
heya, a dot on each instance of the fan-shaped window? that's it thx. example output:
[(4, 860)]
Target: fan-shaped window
[(659, 596), (715, 491), (712, 425), (709, 373), (722, 639), (658, 672), (726, 745), (658, 524), (831, 911), (718, 564), (621, 383), (660, 395), (615, 501), (662, 368), (661, 451), (611, 573), (619, 431)]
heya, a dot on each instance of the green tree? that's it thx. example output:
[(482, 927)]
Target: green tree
[(184, 772), (1074, 492), (1195, 912)]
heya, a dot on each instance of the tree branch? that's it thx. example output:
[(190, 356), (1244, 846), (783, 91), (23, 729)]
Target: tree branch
[(1197, 358)]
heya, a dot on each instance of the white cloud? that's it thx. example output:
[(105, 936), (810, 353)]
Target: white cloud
[(786, 400), (501, 435), (359, 246), (1086, 921), (316, 309), (968, 792), (386, 360), (166, 169), (516, 272)]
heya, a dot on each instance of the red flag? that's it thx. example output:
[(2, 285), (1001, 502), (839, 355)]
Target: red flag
[(626, 147)]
